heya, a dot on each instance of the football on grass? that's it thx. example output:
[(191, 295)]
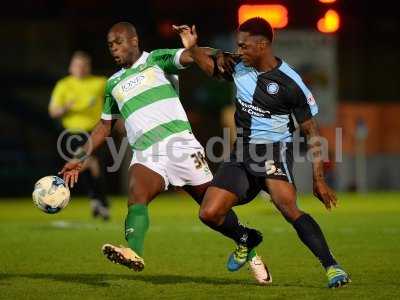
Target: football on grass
[(51, 194)]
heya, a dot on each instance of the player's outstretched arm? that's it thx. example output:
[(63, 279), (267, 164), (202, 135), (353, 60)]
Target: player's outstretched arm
[(320, 188), (214, 62), (71, 169), (199, 55)]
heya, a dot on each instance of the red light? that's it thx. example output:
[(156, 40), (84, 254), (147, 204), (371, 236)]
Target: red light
[(327, 1), (275, 14), (330, 22)]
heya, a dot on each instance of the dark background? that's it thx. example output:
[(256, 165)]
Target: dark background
[(38, 38)]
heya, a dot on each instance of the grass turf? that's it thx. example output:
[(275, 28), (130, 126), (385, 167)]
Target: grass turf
[(58, 256)]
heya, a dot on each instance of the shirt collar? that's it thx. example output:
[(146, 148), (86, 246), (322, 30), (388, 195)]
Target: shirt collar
[(142, 59)]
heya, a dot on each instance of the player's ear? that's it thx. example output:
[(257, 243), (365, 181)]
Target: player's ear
[(263, 45), (135, 41)]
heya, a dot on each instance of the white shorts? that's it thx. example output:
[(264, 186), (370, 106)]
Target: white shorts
[(181, 163)]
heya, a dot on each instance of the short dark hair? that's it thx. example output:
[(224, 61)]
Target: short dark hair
[(81, 55), (257, 26), (129, 27)]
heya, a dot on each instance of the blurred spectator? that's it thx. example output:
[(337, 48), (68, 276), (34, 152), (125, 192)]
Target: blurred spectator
[(77, 100)]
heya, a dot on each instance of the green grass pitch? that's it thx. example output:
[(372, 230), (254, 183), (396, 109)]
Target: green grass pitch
[(58, 256)]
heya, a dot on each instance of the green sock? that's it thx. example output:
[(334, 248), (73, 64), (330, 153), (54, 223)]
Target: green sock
[(251, 254), (136, 225)]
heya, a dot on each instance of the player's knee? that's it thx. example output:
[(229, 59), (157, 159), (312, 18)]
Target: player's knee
[(209, 216), (292, 214), (137, 197), (290, 211)]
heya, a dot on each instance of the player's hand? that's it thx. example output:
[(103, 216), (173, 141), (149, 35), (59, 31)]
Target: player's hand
[(70, 172), (188, 35), (225, 62), (325, 194)]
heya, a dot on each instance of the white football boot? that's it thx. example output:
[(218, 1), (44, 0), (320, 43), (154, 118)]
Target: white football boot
[(123, 256), (260, 271)]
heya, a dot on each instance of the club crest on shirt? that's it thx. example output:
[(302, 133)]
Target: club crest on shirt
[(272, 88)]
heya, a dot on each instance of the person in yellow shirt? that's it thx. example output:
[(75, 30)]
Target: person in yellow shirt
[(77, 101)]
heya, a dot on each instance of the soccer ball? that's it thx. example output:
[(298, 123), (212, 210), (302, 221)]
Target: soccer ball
[(50, 194)]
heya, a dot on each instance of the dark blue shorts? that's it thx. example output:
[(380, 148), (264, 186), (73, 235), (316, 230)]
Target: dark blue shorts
[(250, 165)]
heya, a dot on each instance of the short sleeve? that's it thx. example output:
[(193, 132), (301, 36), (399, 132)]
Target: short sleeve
[(58, 95), (110, 107), (167, 59), (305, 106)]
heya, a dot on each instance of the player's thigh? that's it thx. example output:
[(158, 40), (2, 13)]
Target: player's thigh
[(230, 186), (144, 184), (284, 197), (216, 204)]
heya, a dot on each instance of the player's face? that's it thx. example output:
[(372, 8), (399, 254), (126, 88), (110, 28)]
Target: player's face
[(79, 67), (122, 46), (250, 48)]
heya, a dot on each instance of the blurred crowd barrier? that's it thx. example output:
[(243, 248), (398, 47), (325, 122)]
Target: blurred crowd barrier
[(367, 137)]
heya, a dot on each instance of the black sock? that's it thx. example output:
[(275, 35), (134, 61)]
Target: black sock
[(311, 235), (95, 187), (86, 180), (231, 227), (99, 190)]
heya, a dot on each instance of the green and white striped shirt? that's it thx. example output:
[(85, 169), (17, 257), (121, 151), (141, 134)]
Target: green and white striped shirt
[(145, 98)]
